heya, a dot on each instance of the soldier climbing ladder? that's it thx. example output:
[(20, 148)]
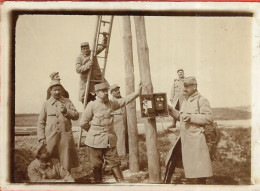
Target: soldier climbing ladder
[(103, 27)]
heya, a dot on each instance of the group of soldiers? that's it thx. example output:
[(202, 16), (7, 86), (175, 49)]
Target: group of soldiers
[(104, 120)]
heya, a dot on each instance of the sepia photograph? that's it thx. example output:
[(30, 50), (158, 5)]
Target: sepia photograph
[(101, 95)]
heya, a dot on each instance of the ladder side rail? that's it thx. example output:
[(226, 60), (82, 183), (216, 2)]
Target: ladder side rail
[(107, 48), (93, 53), (90, 71)]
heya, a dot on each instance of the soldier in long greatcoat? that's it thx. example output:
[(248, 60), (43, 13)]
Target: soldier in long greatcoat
[(54, 127), (193, 149)]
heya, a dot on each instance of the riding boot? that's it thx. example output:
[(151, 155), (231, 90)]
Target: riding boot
[(117, 173), (97, 173)]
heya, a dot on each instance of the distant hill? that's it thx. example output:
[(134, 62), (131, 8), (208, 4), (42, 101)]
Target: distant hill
[(232, 113), (225, 113)]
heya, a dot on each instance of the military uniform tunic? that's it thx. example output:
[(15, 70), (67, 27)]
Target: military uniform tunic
[(98, 120), (52, 171), (83, 63), (55, 127)]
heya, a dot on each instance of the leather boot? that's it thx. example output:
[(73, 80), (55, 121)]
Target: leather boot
[(169, 172), (118, 174), (97, 174), (201, 180)]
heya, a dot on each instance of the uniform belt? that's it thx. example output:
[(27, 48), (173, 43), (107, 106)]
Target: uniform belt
[(101, 128)]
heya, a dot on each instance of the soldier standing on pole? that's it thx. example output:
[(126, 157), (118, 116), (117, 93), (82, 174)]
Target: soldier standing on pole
[(177, 94), (97, 120)]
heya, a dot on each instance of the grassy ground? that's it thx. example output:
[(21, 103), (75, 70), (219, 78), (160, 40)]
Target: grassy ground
[(241, 113), (231, 165)]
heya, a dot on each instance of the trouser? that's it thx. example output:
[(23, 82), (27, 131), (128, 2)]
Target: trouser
[(97, 156), (175, 159)]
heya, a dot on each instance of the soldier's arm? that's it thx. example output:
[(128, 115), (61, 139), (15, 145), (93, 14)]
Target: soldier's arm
[(82, 67), (173, 112), (42, 123), (33, 174), (124, 101), (71, 112), (86, 117), (205, 114)]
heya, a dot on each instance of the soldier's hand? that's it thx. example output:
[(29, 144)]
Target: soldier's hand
[(63, 109), (88, 65), (186, 117), (44, 141), (170, 108)]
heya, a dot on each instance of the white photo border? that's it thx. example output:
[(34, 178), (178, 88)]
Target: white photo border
[(7, 121)]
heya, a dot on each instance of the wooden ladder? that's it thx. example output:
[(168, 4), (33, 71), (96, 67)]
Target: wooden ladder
[(103, 27)]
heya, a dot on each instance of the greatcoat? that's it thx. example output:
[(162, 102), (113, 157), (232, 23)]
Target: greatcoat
[(177, 93), (195, 152), (55, 127)]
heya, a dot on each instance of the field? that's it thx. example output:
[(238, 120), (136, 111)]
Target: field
[(236, 113), (231, 164)]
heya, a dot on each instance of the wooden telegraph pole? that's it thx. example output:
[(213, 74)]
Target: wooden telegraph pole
[(130, 87), (150, 123)]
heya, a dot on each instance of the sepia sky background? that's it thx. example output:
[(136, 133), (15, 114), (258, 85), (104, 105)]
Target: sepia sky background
[(216, 50)]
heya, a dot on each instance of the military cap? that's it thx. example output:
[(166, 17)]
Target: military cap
[(113, 87), (84, 44), (101, 86), (39, 146), (190, 81), (180, 69), (54, 83), (54, 74)]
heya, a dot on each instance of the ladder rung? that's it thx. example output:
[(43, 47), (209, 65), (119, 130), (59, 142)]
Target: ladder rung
[(104, 33), (102, 45), (101, 56), (105, 21), (96, 80)]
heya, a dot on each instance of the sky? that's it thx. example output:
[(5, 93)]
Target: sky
[(216, 50)]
